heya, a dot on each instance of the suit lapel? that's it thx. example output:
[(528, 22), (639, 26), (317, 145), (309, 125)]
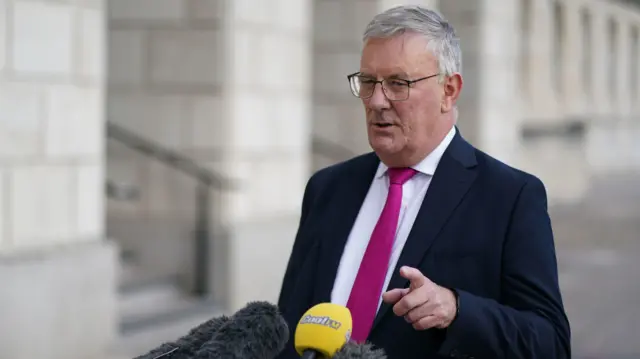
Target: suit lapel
[(349, 195), (450, 183)]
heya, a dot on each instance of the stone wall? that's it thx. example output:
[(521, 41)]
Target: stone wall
[(56, 268), (228, 84)]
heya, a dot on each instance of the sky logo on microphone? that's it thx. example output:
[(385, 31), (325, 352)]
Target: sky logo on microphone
[(324, 321)]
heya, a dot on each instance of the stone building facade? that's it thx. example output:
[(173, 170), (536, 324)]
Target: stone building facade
[(256, 92)]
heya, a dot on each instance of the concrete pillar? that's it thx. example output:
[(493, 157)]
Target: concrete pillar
[(623, 92), (586, 58), (572, 98), (635, 67), (338, 116), (601, 103), (266, 107), (57, 298), (489, 114), (543, 90)]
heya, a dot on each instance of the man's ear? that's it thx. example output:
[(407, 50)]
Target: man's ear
[(452, 87)]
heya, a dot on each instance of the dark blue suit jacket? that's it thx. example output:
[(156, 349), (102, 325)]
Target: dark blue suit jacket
[(483, 229)]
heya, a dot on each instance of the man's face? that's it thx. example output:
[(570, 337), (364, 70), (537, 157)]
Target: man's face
[(402, 132)]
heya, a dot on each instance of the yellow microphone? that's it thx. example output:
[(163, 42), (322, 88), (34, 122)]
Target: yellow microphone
[(322, 331)]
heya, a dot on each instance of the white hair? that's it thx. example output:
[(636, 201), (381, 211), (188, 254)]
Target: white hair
[(441, 38)]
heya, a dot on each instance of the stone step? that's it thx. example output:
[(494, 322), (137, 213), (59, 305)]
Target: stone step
[(157, 313)]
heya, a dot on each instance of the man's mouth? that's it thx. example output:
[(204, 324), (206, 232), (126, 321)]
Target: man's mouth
[(382, 125)]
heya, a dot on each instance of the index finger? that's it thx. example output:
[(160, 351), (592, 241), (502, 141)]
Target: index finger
[(416, 277)]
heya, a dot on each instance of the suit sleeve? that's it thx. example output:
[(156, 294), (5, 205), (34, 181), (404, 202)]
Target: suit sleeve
[(301, 246), (529, 321)]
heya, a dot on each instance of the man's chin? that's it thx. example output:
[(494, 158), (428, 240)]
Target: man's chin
[(384, 146)]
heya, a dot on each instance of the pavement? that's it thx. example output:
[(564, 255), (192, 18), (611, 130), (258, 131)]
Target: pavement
[(598, 244)]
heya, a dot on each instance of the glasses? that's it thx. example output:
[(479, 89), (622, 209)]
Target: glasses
[(394, 89)]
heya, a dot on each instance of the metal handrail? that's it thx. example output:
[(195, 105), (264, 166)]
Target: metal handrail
[(167, 156), (206, 178)]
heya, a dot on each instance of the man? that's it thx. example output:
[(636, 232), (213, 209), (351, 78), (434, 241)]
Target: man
[(438, 249)]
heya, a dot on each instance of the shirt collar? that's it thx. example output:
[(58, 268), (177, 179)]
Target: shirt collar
[(429, 164)]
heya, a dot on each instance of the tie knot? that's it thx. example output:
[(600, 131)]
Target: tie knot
[(400, 175)]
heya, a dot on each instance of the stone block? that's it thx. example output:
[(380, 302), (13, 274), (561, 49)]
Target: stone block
[(291, 124), (41, 205), (250, 11), (126, 57), (289, 174), (208, 123), (93, 39), (293, 15), (331, 70), (20, 119), (274, 194), (43, 37), (186, 58), (58, 303), (206, 9), (325, 120), (90, 201), (72, 110), (252, 122), (3, 33), (147, 10), (250, 240), (285, 63), (364, 11), (276, 58), (355, 136), (167, 190), (245, 53), (4, 241), (329, 21), (157, 118)]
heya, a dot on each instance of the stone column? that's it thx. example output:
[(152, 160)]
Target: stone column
[(489, 115), (57, 298), (338, 116), (572, 69), (543, 90), (266, 107), (636, 63), (623, 91), (600, 106)]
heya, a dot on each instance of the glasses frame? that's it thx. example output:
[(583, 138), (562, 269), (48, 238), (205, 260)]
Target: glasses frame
[(376, 82)]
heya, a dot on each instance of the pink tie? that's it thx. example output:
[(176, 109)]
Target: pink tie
[(367, 288)]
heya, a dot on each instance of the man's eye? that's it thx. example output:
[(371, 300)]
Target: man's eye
[(397, 83)]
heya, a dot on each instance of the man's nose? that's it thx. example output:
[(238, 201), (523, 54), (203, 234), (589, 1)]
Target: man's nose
[(378, 100)]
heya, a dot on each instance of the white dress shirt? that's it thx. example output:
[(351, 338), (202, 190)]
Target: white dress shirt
[(413, 192)]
